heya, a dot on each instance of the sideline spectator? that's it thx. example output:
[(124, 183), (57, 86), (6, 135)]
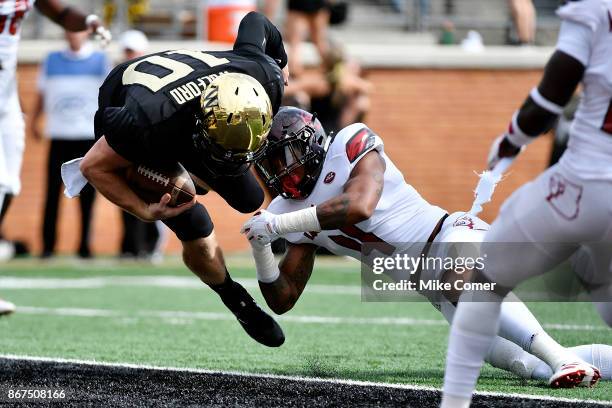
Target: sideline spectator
[(68, 92), (524, 17), (304, 16), (141, 240), (270, 9), (337, 92)]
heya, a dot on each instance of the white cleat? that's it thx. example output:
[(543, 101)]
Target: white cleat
[(575, 374), (6, 307)]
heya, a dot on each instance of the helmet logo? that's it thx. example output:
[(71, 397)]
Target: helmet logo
[(210, 97), (329, 178)]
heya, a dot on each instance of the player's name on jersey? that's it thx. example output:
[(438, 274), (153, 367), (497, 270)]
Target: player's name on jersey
[(434, 285), (192, 89)]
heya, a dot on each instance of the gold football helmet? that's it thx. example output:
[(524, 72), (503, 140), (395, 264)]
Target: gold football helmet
[(236, 117)]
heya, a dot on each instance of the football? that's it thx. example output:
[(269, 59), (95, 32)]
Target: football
[(151, 184)]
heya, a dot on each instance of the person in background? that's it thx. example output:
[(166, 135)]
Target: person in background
[(140, 240), (12, 134), (303, 15), (524, 18), (270, 8), (67, 92), (337, 92)]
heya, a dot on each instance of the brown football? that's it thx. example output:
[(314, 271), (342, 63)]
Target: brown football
[(151, 184)]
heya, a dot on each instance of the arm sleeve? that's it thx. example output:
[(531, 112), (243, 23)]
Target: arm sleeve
[(575, 39), (257, 34)]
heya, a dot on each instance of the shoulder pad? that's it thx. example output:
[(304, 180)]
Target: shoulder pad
[(360, 142)]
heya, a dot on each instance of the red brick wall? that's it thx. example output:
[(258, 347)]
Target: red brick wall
[(437, 126)]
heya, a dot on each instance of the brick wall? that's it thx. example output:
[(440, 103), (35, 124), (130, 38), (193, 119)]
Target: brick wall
[(437, 126)]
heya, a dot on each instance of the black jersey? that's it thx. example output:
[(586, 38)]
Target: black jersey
[(147, 106)]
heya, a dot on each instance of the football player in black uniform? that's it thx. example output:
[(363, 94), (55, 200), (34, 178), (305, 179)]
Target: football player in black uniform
[(210, 111)]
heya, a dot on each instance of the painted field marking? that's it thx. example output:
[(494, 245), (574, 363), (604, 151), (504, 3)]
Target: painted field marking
[(95, 363), (304, 319), (176, 282)]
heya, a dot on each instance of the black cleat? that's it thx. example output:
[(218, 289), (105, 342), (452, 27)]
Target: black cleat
[(257, 323)]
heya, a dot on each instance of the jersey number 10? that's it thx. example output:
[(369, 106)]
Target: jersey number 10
[(178, 70)]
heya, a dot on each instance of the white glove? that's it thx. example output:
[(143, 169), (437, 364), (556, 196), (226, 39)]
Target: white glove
[(100, 32), (260, 229), (500, 149)]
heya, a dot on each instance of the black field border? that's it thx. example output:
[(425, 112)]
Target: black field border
[(92, 383)]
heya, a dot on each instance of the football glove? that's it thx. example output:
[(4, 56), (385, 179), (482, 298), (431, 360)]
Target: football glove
[(502, 148), (99, 31), (260, 229)]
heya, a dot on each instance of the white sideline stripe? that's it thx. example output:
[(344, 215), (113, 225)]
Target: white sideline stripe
[(177, 282), (291, 378), (167, 314)]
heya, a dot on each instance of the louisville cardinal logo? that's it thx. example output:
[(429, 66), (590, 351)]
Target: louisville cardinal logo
[(564, 196), (329, 177), (360, 143), (464, 221)]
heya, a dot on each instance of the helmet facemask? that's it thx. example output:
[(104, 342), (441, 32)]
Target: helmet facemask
[(292, 165)]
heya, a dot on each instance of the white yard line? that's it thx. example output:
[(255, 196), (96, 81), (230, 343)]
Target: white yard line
[(167, 314), (304, 319), (161, 281), (288, 377)]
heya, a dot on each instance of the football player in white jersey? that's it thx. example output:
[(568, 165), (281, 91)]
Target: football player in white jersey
[(566, 210), (12, 128), (341, 193)]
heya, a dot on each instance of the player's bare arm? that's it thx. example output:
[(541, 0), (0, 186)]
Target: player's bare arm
[(540, 110), (360, 196), (355, 204), (105, 170), (72, 19), (294, 272)]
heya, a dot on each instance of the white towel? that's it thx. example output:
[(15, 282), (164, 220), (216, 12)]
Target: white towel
[(487, 183), (73, 178)]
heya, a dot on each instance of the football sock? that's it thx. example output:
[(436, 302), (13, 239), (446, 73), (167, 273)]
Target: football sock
[(225, 288), (548, 350), (507, 356), (599, 355), (517, 323), (473, 331), (233, 295)]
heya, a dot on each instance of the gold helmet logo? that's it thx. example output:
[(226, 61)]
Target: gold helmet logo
[(237, 117)]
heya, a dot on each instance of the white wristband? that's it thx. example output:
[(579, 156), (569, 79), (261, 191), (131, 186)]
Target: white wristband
[(515, 134), (265, 264), (90, 19), (297, 221)]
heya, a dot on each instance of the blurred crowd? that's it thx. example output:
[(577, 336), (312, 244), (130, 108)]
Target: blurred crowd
[(335, 88)]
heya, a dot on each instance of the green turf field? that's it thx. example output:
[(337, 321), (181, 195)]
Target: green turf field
[(161, 316)]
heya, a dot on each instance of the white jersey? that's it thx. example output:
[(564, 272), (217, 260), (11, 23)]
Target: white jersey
[(12, 128), (586, 34), (12, 12), (401, 216)]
